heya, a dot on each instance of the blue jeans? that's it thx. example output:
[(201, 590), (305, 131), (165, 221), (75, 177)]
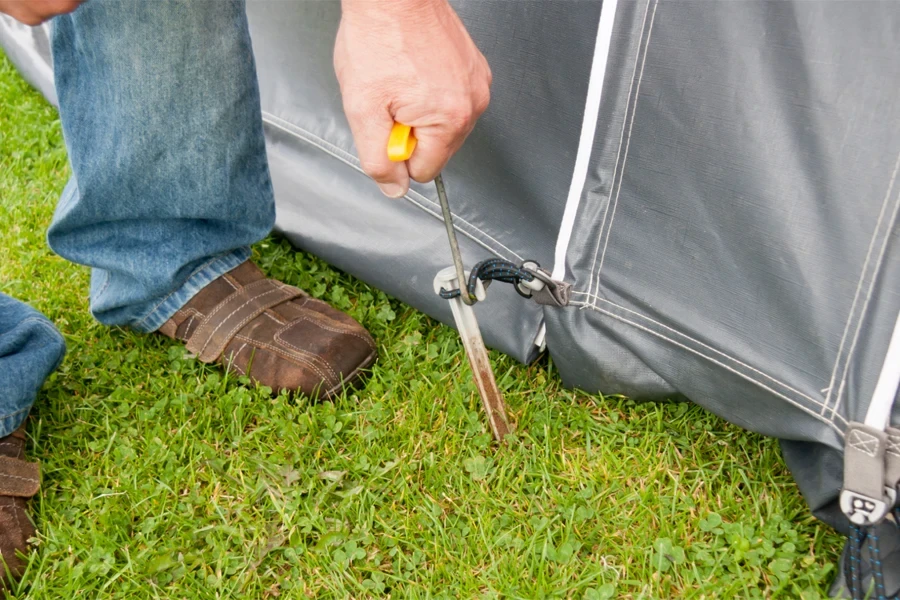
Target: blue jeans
[(170, 185), (30, 349)]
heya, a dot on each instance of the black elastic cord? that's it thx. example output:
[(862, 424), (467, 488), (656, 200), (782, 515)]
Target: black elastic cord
[(492, 269)]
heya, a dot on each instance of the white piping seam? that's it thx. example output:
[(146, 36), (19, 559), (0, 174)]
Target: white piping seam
[(619, 150), (586, 140), (879, 413), (637, 94), (699, 343), (862, 276), (887, 238), (714, 361), (353, 162)]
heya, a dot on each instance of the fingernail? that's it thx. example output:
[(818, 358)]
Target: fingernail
[(392, 190)]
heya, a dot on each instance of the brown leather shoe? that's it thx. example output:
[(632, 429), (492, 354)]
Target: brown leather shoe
[(275, 333), (19, 480)]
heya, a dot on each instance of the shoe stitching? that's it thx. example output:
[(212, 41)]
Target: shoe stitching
[(28, 479), (339, 327), (187, 324), (327, 365), (190, 312), (283, 354), (232, 364), (232, 361), (240, 325), (725, 366), (354, 375), (315, 322), (269, 314), (224, 301), (246, 320), (233, 283), (278, 352)]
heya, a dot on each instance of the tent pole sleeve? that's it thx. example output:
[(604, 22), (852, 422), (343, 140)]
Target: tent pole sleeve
[(586, 140)]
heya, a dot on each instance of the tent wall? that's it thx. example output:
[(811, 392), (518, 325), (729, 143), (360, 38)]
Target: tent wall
[(738, 241), (504, 188), (718, 181)]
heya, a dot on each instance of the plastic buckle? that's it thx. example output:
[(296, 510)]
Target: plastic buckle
[(867, 495), (864, 510)]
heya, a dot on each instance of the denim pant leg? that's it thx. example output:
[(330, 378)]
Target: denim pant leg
[(160, 110), (30, 349)]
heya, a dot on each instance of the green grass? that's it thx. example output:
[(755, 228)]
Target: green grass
[(164, 479)]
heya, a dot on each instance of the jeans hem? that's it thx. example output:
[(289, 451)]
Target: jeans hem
[(199, 279), (11, 422)]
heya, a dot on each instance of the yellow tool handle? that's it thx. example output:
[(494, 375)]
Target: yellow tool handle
[(401, 143)]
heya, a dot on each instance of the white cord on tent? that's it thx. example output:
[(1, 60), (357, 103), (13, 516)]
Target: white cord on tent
[(879, 413), (586, 140)]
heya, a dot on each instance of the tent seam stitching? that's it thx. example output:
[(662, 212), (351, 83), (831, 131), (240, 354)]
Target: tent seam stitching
[(628, 105), (859, 285), (707, 346), (351, 161), (637, 94), (745, 376), (865, 308)]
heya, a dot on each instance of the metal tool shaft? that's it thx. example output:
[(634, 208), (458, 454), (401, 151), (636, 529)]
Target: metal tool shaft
[(476, 352), (454, 245)]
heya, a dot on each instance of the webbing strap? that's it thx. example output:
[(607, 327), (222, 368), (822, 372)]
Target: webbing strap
[(872, 449), (232, 314)]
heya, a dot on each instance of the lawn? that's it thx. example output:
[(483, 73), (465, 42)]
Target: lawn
[(163, 478)]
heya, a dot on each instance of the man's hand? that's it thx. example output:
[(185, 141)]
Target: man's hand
[(410, 61), (35, 12)]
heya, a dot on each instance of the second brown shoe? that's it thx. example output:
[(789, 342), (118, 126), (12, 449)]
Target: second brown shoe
[(275, 333), (19, 481)]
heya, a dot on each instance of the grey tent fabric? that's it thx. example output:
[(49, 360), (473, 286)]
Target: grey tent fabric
[(29, 49), (717, 180)]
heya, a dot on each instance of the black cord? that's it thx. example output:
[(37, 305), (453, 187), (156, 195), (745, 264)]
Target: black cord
[(492, 269)]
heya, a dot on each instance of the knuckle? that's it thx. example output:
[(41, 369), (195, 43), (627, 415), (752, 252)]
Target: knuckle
[(460, 117), (482, 101)]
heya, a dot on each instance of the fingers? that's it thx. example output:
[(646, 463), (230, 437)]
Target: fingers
[(371, 133), (454, 122), (432, 153)]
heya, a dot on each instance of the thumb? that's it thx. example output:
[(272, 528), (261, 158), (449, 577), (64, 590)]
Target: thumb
[(371, 133)]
